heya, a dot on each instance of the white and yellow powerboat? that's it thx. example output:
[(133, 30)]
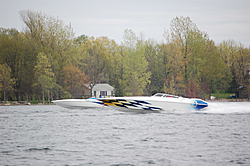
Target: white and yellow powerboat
[(156, 103)]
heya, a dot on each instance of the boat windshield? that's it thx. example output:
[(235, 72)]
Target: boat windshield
[(164, 95), (158, 95)]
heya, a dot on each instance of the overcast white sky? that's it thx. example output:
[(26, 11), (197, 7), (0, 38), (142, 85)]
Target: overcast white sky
[(221, 19)]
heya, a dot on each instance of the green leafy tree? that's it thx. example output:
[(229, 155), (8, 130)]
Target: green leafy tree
[(194, 63), (237, 60), (99, 58), (157, 59), (174, 80), (52, 37), (6, 82), (16, 51), (214, 71), (44, 75), (92, 59), (81, 39), (181, 28), (135, 68)]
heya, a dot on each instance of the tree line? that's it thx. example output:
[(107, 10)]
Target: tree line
[(47, 61)]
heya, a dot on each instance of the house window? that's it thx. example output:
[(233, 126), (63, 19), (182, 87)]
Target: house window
[(103, 93), (94, 93), (112, 93)]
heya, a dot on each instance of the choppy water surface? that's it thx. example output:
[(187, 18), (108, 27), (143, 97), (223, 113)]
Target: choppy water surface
[(51, 135)]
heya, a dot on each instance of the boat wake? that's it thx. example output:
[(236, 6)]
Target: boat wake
[(227, 107)]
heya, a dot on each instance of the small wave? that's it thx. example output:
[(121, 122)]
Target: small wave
[(122, 165), (38, 149), (7, 151)]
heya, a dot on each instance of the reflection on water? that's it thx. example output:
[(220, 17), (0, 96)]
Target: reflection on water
[(51, 135)]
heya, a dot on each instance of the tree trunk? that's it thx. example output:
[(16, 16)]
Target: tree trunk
[(43, 98), (48, 97), (4, 97), (51, 94), (39, 96)]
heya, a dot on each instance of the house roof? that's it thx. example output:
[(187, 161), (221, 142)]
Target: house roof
[(102, 87)]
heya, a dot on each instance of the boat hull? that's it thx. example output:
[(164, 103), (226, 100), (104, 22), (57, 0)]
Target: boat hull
[(153, 104), (79, 103)]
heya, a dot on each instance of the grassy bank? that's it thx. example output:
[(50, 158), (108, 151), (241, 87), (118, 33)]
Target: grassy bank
[(222, 95)]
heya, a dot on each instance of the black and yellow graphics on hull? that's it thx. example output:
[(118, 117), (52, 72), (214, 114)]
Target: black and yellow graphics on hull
[(134, 104)]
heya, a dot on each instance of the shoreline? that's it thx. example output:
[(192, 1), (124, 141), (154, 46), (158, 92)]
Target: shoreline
[(23, 104), (5, 105), (15, 103), (229, 100)]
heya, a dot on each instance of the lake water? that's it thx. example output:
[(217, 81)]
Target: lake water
[(51, 135)]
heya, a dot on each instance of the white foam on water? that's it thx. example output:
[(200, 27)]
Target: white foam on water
[(227, 107)]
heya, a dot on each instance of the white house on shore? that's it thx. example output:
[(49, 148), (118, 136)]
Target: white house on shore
[(98, 90), (102, 90)]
